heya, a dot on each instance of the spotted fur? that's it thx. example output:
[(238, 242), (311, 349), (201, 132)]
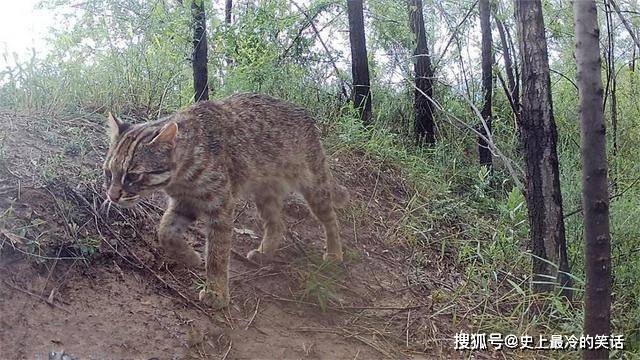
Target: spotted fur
[(205, 157)]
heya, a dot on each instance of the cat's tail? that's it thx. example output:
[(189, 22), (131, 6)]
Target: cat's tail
[(340, 195)]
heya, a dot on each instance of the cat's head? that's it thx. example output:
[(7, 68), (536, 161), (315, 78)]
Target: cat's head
[(138, 161)]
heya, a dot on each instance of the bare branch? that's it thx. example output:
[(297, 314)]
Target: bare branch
[(625, 22), (324, 46)]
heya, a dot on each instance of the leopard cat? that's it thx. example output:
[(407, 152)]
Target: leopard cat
[(203, 158)]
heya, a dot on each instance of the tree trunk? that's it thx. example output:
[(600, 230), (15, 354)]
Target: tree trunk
[(199, 58), (614, 107), (539, 137), (423, 108), (516, 68), (508, 66), (611, 65), (595, 193), (361, 94), (484, 153), (228, 5), (632, 63)]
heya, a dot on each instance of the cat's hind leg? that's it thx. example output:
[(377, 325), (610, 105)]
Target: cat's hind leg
[(319, 199)]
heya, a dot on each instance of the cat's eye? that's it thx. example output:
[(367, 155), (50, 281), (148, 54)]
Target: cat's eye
[(131, 178)]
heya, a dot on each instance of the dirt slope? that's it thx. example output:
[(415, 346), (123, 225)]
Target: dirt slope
[(79, 279)]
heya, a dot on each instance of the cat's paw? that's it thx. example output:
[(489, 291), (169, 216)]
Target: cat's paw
[(216, 299), (191, 259), (184, 257), (259, 257)]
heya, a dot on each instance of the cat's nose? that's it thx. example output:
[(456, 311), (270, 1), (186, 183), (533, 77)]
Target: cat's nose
[(113, 195)]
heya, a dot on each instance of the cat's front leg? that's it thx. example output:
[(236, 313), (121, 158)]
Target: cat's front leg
[(219, 234), (174, 223)]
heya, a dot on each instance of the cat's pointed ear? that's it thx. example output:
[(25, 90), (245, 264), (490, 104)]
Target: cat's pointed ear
[(167, 134), (115, 127)]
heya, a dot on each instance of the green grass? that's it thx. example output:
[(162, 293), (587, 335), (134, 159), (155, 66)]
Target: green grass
[(457, 212)]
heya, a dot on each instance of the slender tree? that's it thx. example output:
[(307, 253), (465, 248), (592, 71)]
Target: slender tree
[(484, 153), (199, 58), (514, 89), (625, 23), (516, 69), (612, 82), (595, 193), (228, 5), (361, 95), (632, 64), (342, 95), (539, 137), (423, 108)]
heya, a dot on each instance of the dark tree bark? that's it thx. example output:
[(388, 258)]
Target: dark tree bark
[(612, 75), (514, 90), (228, 5), (632, 63), (516, 69), (595, 193), (484, 153), (614, 109), (361, 94), (539, 137), (199, 58), (423, 108)]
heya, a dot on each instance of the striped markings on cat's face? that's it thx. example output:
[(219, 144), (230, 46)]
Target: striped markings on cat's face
[(138, 161)]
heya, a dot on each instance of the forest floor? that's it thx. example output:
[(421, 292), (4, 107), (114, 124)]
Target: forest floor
[(80, 280)]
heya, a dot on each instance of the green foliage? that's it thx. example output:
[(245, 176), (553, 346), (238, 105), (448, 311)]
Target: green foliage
[(87, 247), (121, 54), (52, 168), (320, 279)]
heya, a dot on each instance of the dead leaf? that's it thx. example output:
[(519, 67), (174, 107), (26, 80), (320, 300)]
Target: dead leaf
[(12, 237), (249, 232), (50, 298)]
